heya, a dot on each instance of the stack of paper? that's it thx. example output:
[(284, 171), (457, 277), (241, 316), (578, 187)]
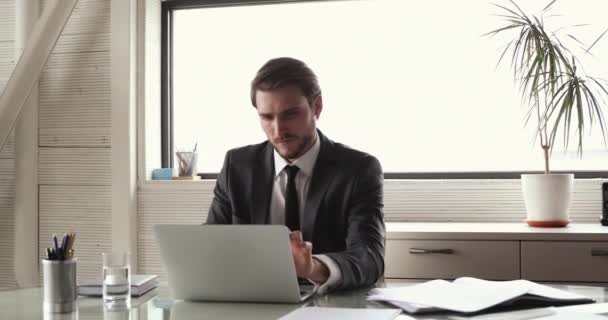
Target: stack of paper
[(470, 295), (140, 284), (341, 314)]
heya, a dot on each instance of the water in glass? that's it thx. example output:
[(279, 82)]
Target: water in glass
[(116, 285)]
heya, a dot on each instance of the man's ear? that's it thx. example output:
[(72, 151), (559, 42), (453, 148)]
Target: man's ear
[(317, 106)]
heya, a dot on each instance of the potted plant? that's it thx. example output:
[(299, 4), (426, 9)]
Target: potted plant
[(560, 96)]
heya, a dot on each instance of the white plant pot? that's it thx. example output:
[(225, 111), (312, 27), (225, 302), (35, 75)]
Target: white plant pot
[(547, 198)]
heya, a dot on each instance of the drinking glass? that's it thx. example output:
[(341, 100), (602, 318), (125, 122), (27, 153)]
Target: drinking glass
[(116, 280), (187, 163)]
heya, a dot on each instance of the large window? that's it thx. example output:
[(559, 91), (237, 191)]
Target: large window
[(411, 82)]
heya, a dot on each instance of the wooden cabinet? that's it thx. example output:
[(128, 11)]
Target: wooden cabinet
[(497, 251), (430, 259), (564, 261)]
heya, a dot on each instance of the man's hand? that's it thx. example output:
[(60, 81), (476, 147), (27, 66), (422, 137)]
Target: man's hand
[(306, 266)]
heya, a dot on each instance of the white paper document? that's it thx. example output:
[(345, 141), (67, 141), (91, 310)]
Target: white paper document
[(307, 313), (539, 313), (470, 295), (536, 314), (572, 315), (595, 308)]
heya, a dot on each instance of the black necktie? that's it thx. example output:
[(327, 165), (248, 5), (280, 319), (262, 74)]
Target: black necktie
[(292, 210)]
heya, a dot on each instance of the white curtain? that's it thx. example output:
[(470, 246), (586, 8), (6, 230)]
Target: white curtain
[(18, 75)]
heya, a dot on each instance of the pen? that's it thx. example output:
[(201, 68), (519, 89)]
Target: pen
[(55, 243), (66, 240), (64, 251), (182, 162), (70, 250), (64, 245)]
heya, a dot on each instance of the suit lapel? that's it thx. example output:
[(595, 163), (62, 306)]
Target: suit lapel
[(322, 176), (261, 187)]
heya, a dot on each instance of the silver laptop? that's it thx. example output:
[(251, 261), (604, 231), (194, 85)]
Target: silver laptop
[(250, 263)]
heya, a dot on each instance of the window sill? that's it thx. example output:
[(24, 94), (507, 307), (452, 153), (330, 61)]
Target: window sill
[(175, 184), (493, 231)]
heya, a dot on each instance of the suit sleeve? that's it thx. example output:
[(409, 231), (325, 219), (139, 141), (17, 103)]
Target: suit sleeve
[(220, 211), (362, 263)]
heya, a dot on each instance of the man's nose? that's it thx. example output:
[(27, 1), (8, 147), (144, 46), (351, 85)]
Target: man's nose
[(279, 127)]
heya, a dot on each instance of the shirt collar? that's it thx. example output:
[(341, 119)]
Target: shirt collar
[(305, 162)]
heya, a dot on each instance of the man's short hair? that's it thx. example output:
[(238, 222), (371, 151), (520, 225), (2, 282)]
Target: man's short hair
[(282, 72)]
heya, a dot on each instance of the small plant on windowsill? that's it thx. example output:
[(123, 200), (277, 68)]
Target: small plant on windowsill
[(560, 97)]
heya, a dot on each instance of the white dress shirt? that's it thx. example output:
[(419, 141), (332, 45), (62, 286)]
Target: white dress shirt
[(306, 163)]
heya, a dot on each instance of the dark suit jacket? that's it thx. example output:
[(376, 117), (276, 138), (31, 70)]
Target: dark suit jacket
[(343, 215)]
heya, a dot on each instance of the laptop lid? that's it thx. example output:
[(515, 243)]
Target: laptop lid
[(251, 263)]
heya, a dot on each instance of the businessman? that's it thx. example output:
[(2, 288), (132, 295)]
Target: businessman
[(327, 194)]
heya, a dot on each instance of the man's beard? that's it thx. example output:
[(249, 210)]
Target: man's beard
[(301, 148)]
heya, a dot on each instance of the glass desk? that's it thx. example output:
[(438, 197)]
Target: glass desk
[(26, 304)]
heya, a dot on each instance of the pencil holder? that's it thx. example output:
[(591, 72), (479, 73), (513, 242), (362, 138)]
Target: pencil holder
[(59, 280), (187, 163)]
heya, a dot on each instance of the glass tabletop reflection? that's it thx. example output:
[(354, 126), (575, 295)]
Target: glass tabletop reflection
[(26, 304)]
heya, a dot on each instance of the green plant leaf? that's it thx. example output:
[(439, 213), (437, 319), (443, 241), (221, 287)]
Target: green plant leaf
[(547, 72), (557, 97), (575, 39), (526, 55), (568, 119), (580, 115), (564, 103), (564, 60), (523, 14), (518, 46), (588, 102), (548, 7), (509, 10), (531, 74), (534, 107), (511, 18), (494, 32), (592, 100), (600, 114), (502, 55), (597, 40), (599, 85)]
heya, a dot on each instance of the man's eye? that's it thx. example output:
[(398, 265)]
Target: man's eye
[(291, 115)]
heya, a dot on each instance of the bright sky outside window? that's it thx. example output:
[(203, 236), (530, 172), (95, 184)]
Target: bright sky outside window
[(411, 82)]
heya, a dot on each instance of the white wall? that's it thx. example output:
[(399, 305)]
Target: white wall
[(7, 154)]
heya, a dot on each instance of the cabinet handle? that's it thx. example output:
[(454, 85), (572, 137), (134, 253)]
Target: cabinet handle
[(599, 253), (431, 251)]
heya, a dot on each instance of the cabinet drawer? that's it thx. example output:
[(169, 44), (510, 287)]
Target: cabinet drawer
[(481, 259), (564, 261)]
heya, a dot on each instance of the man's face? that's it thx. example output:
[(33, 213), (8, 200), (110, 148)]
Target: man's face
[(288, 120)]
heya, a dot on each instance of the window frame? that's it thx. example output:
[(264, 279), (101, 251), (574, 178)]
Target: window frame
[(167, 141)]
